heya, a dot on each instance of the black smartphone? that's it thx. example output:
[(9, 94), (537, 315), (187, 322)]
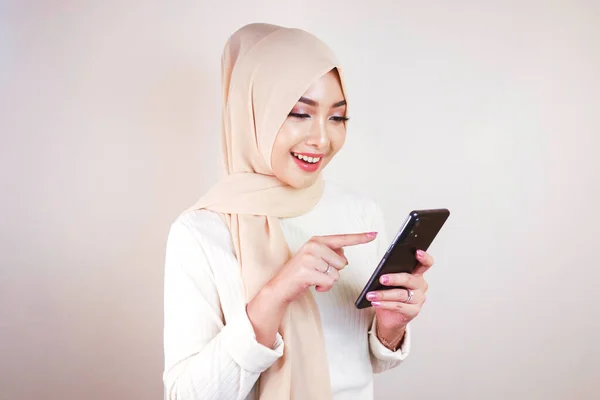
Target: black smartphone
[(417, 233)]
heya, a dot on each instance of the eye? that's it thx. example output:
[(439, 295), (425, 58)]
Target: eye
[(298, 115), (340, 119)]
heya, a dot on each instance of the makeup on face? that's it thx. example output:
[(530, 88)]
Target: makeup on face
[(309, 162), (312, 134), (301, 111), (305, 109)]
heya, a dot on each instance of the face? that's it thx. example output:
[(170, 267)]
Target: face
[(313, 132)]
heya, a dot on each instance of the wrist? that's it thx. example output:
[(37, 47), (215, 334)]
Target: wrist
[(265, 312), (391, 338), (273, 295)]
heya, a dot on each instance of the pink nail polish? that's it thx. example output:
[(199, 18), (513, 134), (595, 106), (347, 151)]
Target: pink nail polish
[(371, 296), (375, 303), (420, 253), (385, 279), (372, 234)]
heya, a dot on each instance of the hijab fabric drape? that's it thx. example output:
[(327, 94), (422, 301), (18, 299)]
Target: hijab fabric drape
[(265, 70)]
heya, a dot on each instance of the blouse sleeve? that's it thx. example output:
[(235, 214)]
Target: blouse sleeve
[(382, 358), (205, 358)]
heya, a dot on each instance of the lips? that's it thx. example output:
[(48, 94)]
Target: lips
[(308, 162)]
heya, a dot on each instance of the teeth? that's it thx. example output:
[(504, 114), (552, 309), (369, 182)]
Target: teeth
[(311, 160)]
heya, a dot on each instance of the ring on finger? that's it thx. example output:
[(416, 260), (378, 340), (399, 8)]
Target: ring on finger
[(410, 295), (328, 269)]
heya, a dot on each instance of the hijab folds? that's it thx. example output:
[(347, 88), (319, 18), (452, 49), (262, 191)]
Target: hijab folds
[(265, 70)]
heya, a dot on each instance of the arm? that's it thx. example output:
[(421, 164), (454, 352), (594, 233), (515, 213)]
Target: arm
[(205, 359), (265, 313), (383, 358)]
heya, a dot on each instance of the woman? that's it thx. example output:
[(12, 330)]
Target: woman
[(262, 272)]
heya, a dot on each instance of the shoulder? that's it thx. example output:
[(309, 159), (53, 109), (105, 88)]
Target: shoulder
[(342, 208), (343, 198), (201, 229)]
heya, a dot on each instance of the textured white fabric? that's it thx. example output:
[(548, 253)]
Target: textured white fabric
[(210, 348)]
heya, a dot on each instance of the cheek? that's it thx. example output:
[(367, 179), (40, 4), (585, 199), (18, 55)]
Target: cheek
[(337, 140), (281, 149), (277, 159)]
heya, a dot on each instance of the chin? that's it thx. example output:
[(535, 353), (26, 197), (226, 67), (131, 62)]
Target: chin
[(293, 176), (300, 183), (298, 180)]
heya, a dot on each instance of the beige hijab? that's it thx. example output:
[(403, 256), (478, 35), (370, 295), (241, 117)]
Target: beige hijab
[(265, 70)]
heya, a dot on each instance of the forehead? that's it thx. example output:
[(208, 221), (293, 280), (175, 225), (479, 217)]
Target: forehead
[(327, 88)]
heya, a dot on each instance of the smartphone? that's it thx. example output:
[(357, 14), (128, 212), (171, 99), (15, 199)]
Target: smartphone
[(417, 233)]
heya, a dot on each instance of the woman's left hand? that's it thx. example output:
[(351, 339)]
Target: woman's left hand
[(394, 310)]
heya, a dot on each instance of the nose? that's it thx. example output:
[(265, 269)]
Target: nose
[(318, 136)]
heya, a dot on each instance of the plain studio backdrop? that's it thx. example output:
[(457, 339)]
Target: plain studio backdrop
[(110, 122)]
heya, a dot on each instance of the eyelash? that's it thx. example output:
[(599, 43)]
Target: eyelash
[(335, 118)]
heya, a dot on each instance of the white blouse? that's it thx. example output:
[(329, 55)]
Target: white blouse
[(211, 350)]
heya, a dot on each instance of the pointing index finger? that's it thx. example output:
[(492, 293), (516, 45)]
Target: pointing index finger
[(350, 239)]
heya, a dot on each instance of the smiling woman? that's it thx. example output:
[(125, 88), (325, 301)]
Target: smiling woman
[(258, 303), (312, 134)]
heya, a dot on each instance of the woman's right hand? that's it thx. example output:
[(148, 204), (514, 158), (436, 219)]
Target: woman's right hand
[(310, 265), (307, 268)]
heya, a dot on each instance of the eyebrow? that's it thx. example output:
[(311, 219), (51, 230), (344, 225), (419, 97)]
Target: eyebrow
[(310, 102)]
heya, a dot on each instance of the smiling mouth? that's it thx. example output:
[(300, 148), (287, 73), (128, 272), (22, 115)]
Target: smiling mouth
[(309, 163), (307, 159)]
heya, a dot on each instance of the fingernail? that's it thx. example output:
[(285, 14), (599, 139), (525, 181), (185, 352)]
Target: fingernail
[(420, 253), (372, 234), (371, 296), (385, 279), (375, 303)]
